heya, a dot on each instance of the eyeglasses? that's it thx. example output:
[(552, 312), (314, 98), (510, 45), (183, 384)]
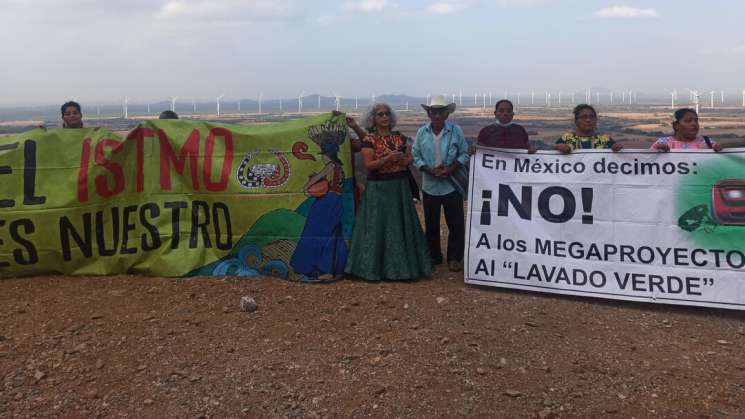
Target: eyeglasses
[(383, 113)]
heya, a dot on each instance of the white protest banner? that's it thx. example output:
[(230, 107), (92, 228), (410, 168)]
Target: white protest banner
[(642, 225)]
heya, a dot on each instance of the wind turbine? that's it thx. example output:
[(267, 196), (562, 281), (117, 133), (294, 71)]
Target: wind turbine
[(532, 97), (260, 97), (476, 99), (218, 103), (559, 99), (300, 102), (695, 96), (673, 94), (173, 104), (427, 100), (631, 97), (355, 102), (460, 99), (319, 101), (722, 92), (126, 100), (490, 101), (611, 97), (518, 98), (597, 98), (193, 104), (280, 104), (483, 106), (239, 105), (743, 98), (337, 99), (373, 99), (712, 99)]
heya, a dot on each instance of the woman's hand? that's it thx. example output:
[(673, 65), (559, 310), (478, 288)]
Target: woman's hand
[(351, 123), (394, 157), (717, 147), (532, 149), (563, 148), (661, 147), (616, 147)]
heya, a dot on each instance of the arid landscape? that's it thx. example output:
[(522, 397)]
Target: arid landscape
[(635, 127), (140, 347)]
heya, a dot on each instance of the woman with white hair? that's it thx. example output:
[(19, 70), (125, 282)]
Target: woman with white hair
[(388, 242)]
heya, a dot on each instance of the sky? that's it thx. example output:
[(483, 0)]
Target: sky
[(150, 50)]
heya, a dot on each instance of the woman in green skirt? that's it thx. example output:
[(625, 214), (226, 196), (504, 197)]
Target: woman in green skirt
[(388, 242)]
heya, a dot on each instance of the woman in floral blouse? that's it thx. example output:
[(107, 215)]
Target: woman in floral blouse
[(388, 242), (585, 135)]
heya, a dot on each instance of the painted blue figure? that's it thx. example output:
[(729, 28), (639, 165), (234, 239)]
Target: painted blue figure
[(321, 252)]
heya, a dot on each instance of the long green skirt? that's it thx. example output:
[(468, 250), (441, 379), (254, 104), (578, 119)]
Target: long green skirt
[(388, 242)]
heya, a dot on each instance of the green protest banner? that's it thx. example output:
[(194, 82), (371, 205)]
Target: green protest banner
[(177, 198)]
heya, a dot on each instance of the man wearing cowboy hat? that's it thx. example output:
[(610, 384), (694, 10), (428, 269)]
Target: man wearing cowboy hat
[(439, 149)]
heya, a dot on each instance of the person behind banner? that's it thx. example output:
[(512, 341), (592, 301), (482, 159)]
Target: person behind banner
[(439, 150), (685, 134), (168, 114), (585, 134), (388, 242), (504, 133), (72, 115)]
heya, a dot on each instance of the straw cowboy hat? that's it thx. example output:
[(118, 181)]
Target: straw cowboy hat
[(439, 102)]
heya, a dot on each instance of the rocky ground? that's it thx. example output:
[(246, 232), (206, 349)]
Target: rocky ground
[(159, 347)]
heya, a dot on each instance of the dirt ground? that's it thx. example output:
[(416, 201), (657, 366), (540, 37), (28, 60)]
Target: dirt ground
[(158, 347)]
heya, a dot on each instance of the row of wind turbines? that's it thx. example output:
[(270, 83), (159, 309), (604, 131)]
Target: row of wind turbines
[(550, 99), (218, 101), (694, 96)]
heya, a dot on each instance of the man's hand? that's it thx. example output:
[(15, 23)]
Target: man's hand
[(616, 147)]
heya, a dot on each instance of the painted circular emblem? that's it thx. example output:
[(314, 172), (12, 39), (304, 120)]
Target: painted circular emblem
[(263, 174)]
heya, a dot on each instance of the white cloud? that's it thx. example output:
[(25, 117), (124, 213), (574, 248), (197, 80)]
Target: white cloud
[(446, 7), (228, 10), (519, 3), (624, 12), (365, 6)]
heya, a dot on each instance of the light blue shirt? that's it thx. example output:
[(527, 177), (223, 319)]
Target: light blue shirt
[(453, 147)]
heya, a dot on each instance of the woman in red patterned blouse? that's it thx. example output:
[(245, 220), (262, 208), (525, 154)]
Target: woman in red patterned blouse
[(388, 241)]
